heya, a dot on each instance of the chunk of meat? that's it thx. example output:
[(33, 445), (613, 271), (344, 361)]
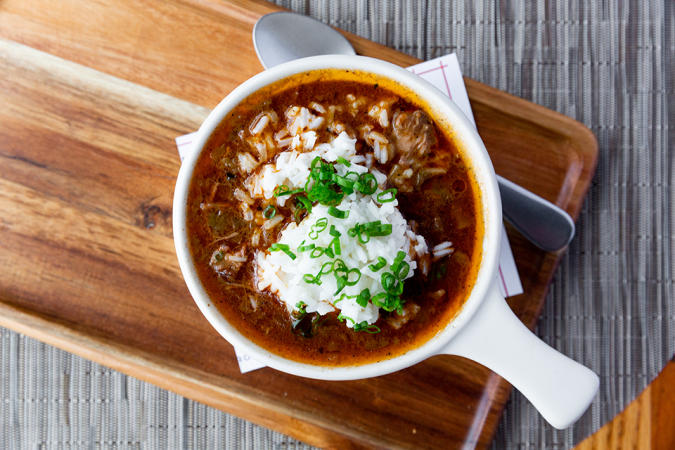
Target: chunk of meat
[(226, 262), (414, 136), (397, 320)]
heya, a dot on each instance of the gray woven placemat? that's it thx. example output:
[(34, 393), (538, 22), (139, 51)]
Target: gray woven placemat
[(612, 305)]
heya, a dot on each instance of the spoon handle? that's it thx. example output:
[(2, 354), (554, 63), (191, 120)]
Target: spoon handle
[(540, 221)]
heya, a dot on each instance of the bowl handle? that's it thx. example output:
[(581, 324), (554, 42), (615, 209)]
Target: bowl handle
[(560, 388)]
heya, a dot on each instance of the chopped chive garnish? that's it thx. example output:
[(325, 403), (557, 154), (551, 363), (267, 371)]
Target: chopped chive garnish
[(343, 161), (333, 211), (329, 252), (333, 232), (269, 212), (381, 262), (387, 196)]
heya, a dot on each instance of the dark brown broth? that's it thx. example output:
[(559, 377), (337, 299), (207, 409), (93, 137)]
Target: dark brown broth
[(445, 209)]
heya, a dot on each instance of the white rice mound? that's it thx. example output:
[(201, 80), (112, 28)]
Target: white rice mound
[(282, 275)]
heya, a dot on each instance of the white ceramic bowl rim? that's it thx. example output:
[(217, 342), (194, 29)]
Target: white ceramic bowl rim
[(473, 148)]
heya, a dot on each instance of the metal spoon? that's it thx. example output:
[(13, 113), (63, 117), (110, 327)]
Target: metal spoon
[(281, 37)]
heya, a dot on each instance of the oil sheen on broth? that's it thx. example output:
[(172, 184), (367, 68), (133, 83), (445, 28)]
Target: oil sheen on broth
[(229, 227)]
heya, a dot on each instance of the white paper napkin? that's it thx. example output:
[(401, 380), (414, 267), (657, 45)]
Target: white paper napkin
[(445, 74)]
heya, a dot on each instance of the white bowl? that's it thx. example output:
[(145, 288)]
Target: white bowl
[(485, 329)]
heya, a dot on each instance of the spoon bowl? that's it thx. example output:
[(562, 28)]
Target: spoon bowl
[(282, 36)]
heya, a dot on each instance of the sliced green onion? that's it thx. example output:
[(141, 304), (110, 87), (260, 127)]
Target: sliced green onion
[(391, 284), (335, 243), (281, 190), (364, 236), (358, 276), (269, 212), (304, 248), (387, 196), (346, 184), (305, 202), (401, 271), (387, 302), (400, 256), (310, 279), (342, 318), (333, 211), (341, 283), (326, 268), (329, 252), (316, 252), (383, 229), (363, 326), (399, 267), (342, 297), (301, 310), (318, 227), (371, 225), (284, 248), (367, 183), (379, 300), (333, 232), (381, 262), (363, 298), (343, 161)]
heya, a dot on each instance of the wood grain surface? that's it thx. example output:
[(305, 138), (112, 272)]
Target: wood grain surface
[(648, 422), (94, 94)]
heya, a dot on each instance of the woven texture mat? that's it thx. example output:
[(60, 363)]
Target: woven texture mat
[(611, 306)]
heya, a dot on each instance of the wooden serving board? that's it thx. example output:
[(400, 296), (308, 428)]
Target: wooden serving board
[(93, 95)]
